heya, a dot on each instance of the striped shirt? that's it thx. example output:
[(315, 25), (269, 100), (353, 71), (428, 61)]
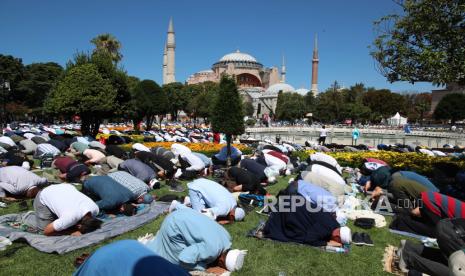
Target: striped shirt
[(46, 148), (442, 205), (132, 183)]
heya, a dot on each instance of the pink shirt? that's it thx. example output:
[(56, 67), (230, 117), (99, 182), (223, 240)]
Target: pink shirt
[(94, 155)]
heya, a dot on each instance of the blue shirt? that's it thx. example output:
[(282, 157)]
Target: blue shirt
[(223, 154), (138, 169), (111, 194), (190, 239), (205, 159), (127, 257), (216, 197), (317, 195)]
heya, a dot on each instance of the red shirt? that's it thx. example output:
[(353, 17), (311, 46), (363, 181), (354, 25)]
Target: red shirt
[(63, 163)]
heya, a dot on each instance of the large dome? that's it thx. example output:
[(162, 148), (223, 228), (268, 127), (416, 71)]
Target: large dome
[(275, 88), (237, 56), (302, 91)]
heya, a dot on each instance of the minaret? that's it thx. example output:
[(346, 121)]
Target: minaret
[(165, 64), (315, 60), (283, 72), (170, 47)]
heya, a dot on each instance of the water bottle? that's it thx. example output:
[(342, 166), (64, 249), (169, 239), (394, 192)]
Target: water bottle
[(334, 249)]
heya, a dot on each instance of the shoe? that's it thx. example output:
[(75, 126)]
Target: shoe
[(173, 205), (175, 186), (178, 173), (402, 264), (187, 201), (357, 239), (366, 239)]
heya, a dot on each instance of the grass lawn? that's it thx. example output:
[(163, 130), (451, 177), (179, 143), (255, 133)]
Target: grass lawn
[(264, 258)]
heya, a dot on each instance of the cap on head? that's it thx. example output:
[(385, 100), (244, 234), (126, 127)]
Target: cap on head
[(239, 214), (235, 259), (147, 199), (346, 235)]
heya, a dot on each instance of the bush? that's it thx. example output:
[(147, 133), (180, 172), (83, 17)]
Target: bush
[(420, 163)]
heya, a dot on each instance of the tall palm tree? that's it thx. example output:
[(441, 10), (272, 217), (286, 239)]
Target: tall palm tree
[(108, 43)]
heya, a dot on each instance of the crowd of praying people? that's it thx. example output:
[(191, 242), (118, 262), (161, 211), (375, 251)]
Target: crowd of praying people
[(87, 177)]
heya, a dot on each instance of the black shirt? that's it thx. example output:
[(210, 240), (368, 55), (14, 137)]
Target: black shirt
[(249, 182)]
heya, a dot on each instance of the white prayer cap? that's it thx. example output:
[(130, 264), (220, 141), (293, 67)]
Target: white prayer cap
[(346, 235), (239, 214), (235, 259), (26, 165)]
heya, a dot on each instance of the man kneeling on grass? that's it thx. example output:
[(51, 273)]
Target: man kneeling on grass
[(195, 242), (212, 199), (19, 182), (127, 257), (111, 196), (62, 210), (313, 226)]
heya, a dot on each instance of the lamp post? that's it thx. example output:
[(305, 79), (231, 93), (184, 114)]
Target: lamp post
[(5, 85)]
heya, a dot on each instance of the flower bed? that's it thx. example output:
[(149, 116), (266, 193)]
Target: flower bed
[(205, 148), (420, 163)]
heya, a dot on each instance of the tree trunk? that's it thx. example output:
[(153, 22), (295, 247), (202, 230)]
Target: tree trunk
[(136, 123), (85, 126), (160, 119), (95, 127), (149, 122), (228, 152)]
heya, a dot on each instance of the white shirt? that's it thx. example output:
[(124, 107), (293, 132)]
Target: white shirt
[(7, 140), (323, 132), (68, 204), (28, 135), (196, 163), (273, 161), (140, 147), (321, 157), (178, 149)]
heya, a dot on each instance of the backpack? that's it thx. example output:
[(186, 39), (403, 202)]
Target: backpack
[(46, 160)]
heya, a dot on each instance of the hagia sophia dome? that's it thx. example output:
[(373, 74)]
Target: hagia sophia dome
[(302, 91), (276, 88), (239, 60)]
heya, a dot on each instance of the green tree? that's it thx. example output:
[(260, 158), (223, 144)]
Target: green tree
[(290, 107), (248, 108), (39, 78), (109, 44), (201, 99), (425, 43), (83, 92), (178, 98), (422, 105), (228, 114), (451, 108), (329, 105), (11, 70), (109, 71), (383, 103), (149, 100)]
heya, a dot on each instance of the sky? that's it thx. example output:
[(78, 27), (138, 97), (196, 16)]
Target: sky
[(46, 30)]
